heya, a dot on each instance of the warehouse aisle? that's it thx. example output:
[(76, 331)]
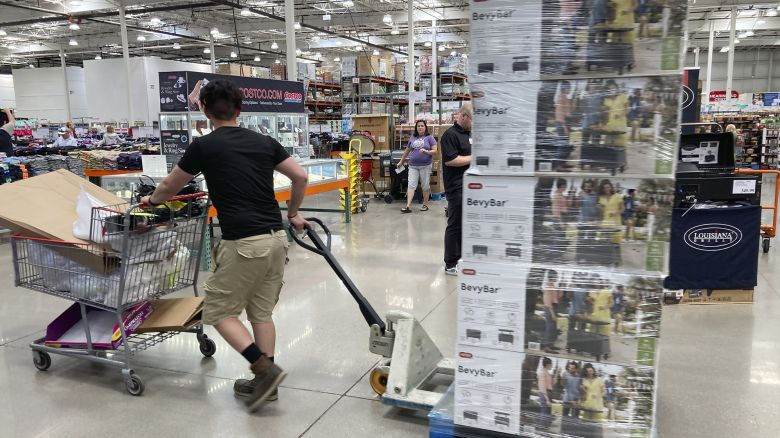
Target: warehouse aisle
[(720, 365)]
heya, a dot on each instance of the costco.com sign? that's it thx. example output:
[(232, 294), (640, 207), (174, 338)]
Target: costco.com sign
[(713, 237)]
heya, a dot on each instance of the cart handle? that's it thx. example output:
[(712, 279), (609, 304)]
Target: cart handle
[(180, 198), (319, 247)]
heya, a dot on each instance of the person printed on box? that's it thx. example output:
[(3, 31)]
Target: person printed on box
[(629, 213), (110, 138), (592, 102), (545, 384), (618, 307), (592, 389), (610, 396), (635, 113), (600, 317), (456, 156), (611, 207), (420, 150), (6, 131), (642, 8), (65, 138), (579, 302), (572, 381), (560, 203), (564, 106), (239, 166), (550, 300)]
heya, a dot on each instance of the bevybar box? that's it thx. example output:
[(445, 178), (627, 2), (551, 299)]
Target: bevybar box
[(617, 224), (547, 39), (491, 306), (487, 389), (626, 126)]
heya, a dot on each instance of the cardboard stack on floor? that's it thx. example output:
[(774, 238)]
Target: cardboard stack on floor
[(567, 212)]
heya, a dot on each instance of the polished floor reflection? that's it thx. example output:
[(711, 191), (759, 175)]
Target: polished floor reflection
[(719, 375)]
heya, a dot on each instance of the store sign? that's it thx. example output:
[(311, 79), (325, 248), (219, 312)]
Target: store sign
[(770, 99), (180, 91), (691, 106), (173, 144), (713, 237), (720, 95)]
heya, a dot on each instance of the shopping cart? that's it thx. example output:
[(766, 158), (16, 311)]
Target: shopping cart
[(767, 231), (142, 255)]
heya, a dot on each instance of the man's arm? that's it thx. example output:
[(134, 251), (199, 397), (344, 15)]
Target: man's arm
[(169, 187), (450, 152), (291, 169), (9, 127), (459, 161)]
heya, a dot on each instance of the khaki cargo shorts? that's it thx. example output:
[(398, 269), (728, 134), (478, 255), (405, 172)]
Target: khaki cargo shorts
[(247, 275)]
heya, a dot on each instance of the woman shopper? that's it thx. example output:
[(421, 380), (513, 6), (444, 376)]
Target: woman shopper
[(593, 391), (420, 150)]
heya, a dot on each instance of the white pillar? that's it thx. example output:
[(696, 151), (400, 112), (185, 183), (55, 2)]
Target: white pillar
[(696, 52), (771, 70), (213, 55), (708, 82), (289, 28), (65, 85), (410, 52), (730, 68), (434, 68), (126, 54)]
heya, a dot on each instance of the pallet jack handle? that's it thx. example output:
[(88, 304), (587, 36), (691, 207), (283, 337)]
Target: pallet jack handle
[(323, 249)]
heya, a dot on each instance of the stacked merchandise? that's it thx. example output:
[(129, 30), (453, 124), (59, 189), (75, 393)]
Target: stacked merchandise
[(21, 167), (567, 215)]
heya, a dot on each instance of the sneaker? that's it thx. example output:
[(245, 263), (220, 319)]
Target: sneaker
[(452, 270), (268, 376), (244, 388), (406, 210)]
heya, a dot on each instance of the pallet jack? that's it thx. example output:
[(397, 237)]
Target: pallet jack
[(410, 361)]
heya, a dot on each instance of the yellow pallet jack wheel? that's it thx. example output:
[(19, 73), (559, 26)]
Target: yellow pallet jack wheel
[(378, 381)]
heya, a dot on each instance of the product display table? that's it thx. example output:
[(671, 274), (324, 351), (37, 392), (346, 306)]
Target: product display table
[(95, 175), (714, 248)]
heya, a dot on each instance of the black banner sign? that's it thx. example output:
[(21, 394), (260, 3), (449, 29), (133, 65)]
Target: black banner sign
[(173, 92), (691, 99), (173, 144)]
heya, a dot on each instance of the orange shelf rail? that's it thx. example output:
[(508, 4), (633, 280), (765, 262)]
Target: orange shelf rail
[(768, 231), (97, 173)]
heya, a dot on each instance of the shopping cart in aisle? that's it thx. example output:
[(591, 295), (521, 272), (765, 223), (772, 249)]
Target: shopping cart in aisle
[(767, 231), (138, 255)]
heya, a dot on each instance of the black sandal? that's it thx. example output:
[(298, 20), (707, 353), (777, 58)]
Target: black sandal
[(424, 208), (406, 210)]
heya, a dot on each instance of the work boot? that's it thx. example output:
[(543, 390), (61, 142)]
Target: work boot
[(244, 388), (268, 376)]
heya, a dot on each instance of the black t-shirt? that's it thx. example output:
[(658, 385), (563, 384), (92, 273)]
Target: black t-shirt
[(454, 142), (238, 165), (6, 146)]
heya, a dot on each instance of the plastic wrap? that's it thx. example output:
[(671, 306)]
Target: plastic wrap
[(547, 39)]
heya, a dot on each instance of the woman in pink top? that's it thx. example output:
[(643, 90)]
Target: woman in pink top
[(545, 383)]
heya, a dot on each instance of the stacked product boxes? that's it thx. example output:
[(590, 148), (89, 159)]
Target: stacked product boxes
[(567, 214)]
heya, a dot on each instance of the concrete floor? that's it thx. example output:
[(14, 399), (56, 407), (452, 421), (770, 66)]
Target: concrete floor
[(719, 375)]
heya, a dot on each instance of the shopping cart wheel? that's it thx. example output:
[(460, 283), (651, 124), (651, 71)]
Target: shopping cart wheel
[(207, 346), (389, 199), (364, 205), (134, 384), (765, 245), (41, 360), (378, 381)]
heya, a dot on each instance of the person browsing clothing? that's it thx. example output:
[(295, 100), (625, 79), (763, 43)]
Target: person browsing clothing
[(6, 132), (238, 165), (420, 150), (110, 138), (65, 138), (456, 156)]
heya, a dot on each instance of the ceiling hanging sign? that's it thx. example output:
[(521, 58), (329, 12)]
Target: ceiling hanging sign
[(180, 92), (720, 95)]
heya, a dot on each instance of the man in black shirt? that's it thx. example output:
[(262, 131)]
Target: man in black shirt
[(456, 155), (239, 165)]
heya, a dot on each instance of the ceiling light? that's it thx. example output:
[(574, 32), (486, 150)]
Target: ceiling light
[(750, 33), (760, 22), (176, 46), (297, 26), (3, 33), (214, 31), (75, 3), (246, 12), (206, 50), (155, 21), (395, 31), (442, 48), (274, 46), (724, 50), (31, 66), (98, 57), (337, 59), (326, 17), (453, 53), (141, 38), (74, 26), (318, 55), (278, 62), (736, 41), (428, 44), (416, 63), (387, 19), (772, 13), (73, 42), (465, 56), (298, 52), (315, 38), (348, 4), (375, 52), (233, 55), (257, 59), (742, 35)]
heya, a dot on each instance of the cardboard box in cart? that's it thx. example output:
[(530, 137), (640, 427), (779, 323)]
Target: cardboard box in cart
[(45, 207)]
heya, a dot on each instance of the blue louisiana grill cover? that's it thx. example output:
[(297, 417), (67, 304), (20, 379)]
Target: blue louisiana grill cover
[(714, 248)]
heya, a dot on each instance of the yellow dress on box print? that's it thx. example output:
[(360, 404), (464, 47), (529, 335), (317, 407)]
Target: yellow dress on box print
[(616, 120), (611, 207), (602, 313), (593, 398), (624, 18)]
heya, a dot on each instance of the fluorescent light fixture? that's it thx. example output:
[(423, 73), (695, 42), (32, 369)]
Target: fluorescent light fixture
[(453, 53), (257, 59), (73, 42), (245, 12), (98, 57), (760, 22), (274, 46), (297, 26), (387, 19), (750, 33), (724, 49), (326, 17), (298, 52), (3, 32), (442, 48), (348, 4), (428, 44), (233, 55), (214, 31), (74, 26), (375, 52), (141, 38), (337, 59), (742, 35), (736, 41), (207, 50), (75, 2), (395, 31), (155, 21), (465, 55), (277, 62), (416, 63), (31, 66), (176, 46), (771, 13), (318, 55)]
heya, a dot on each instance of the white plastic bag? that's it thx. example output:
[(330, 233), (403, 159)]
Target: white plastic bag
[(81, 226)]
